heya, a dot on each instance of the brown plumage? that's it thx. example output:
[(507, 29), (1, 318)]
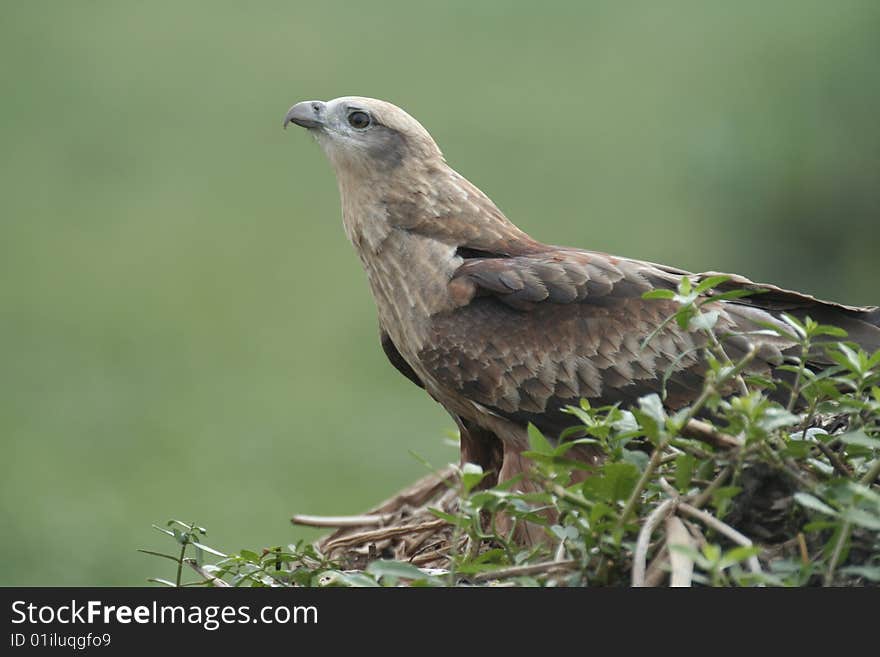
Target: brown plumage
[(501, 329)]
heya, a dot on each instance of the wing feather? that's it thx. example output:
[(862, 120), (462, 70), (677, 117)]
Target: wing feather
[(545, 329)]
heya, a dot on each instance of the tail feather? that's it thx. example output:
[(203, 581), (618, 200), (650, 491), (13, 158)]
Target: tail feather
[(862, 324)]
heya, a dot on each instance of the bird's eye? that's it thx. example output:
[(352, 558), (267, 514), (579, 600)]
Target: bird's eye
[(359, 120)]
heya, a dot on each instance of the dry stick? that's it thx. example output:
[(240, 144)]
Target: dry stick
[(802, 370), (560, 552), (665, 508), (802, 546), (838, 550), (532, 569), (722, 528), (872, 474), (834, 459), (667, 488), (379, 534), (640, 485), (574, 498), (215, 581), (655, 572), (428, 557), (681, 565), (341, 521), (706, 494), (706, 433), (681, 445)]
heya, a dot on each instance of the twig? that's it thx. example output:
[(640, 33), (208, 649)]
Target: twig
[(379, 534), (577, 500), (656, 457), (654, 518), (656, 569), (180, 563), (836, 462), (706, 433), (700, 500), (838, 551), (872, 474), (341, 521), (532, 569), (802, 370), (215, 581), (667, 488), (722, 528), (682, 445), (681, 565), (802, 546), (428, 557)]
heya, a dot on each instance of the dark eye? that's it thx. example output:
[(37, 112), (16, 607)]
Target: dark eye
[(359, 120)]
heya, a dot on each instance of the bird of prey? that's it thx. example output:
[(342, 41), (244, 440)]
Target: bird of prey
[(503, 330)]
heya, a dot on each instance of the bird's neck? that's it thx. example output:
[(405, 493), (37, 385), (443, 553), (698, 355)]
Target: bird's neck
[(408, 268), (430, 199)]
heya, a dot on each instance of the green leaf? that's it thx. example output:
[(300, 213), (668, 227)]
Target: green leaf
[(860, 490), (799, 328), (705, 321), (820, 525), (775, 417), (712, 552), (778, 330), (710, 282), (738, 554), (685, 286), (868, 572), (637, 458), (448, 517), (164, 582), (814, 503), (833, 331), (396, 569), (471, 475), (250, 555), (651, 406), (861, 518), (860, 438), (659, 294), (160, 554), (209, 550), (538, 442), (338, 578), (722, 496), (797, 449), (613, 482), (684, 471)]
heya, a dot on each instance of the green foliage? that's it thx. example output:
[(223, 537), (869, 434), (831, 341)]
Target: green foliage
[(825, 527)]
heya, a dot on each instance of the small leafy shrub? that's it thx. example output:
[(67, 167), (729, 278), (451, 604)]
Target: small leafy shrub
[(767, 492)]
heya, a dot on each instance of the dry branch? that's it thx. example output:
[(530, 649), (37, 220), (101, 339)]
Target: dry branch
[(706, 433), (341, 521)]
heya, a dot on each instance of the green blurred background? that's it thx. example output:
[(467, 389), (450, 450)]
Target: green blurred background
[(185, 330)]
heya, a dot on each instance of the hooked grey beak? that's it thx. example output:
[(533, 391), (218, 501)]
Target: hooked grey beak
[(307, 114)]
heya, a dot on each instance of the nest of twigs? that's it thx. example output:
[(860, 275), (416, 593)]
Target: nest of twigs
[(401, 528), (406, 527)]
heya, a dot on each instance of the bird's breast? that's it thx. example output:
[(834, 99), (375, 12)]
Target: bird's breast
[(409, 277)]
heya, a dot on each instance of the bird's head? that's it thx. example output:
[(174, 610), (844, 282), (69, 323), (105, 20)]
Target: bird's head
[(364, 136)]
